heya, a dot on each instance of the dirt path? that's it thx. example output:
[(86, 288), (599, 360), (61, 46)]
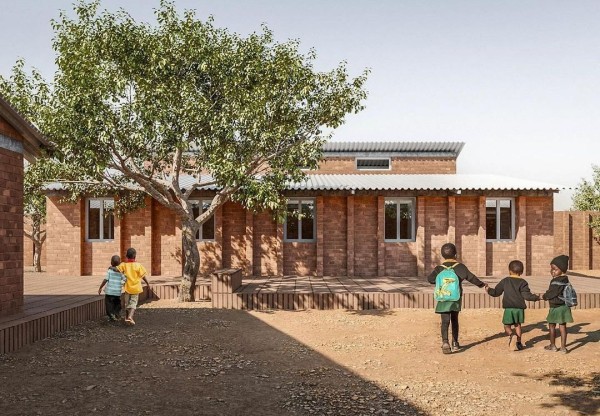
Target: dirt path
[(196, 360)]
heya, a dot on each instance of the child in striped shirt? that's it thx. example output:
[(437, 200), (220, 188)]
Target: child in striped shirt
[(114, 281)]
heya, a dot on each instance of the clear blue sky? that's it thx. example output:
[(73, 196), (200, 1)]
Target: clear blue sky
[(518, 81)]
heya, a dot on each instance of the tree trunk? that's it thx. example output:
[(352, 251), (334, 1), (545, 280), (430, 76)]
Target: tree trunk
[(191, 260), (36, 234)]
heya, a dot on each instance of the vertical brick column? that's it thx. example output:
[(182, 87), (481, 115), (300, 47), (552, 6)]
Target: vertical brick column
[(249, 243), (481, 244), (219, 237), (521, 233), (320, 225), (350, 236), (64, 237), (452, 219), (279, 248), (380, 236), (420, 236)]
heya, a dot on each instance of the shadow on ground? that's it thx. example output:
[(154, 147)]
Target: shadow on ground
[(192, 361)]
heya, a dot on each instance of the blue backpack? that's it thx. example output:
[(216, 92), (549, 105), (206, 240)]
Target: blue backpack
[(447, 285), (569, 296)]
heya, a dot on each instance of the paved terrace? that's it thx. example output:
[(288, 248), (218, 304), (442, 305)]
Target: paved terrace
[(56, 303)]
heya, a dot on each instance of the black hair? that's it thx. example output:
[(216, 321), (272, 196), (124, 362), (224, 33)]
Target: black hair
[(131, 253), (115, 261), (516, 266), (448, 251)]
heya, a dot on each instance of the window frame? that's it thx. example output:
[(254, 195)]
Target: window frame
[(200, 237), (512, 220), (101, 225), (299, 201), (413, 206), (389, 159)]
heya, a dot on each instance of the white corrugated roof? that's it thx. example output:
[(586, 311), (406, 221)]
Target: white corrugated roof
[(395, 182), (391, 182), (393, 147)]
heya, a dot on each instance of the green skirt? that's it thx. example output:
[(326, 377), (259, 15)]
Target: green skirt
[(513, 316), (448, 306), (560, 315)]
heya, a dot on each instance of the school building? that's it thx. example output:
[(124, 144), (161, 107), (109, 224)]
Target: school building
[(371, 209), (18, 139)]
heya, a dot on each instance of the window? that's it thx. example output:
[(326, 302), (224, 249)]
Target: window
[(207, 230), (100, 219), (300, 220), (499, 219), (399, 220), (373, 164)]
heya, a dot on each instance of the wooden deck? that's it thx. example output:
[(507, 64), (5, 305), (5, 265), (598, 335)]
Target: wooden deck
[(56, 303)]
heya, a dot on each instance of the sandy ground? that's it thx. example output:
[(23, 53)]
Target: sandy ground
[(194, 360)]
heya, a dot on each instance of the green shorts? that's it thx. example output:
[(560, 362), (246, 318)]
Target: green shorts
[(560, 315), (513, 316), (448, 306), (131, 301)]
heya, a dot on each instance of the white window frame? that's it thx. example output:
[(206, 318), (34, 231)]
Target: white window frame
[(389, 159), (200, 202), (299, 201), (87, 220), (413, 205), (512, 219)]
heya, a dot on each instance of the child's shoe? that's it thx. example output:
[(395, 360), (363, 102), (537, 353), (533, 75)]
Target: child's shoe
[(455, 346), (550, 348), (446, 348), (520, 346)]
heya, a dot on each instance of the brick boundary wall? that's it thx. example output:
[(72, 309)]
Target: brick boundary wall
[(574, 237)]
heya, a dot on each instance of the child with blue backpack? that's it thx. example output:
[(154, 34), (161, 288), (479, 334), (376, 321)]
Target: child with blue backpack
[(447, 279), (560, 302), (516, 291)]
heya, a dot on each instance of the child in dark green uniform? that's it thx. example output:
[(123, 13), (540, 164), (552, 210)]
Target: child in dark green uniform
[(449, 310), (516, 292), (559, 312)]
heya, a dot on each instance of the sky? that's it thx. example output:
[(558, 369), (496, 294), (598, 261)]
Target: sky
[(517, 81)]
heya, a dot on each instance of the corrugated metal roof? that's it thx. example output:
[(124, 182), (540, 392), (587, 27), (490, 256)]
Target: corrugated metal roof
[(398, 182), (393, 147)]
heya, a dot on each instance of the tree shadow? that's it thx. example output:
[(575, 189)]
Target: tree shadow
[(591, 336), (525, 329), (582, 394)]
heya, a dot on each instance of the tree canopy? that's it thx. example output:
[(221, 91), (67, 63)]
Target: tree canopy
[(139, 107), (587, 198)]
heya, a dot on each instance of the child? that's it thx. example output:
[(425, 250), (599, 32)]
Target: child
[(112, 294), (516, 292), (559, 312), (135, 273), (449, 310)]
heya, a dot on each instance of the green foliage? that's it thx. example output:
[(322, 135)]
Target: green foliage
[(587, 198), (137, 106)]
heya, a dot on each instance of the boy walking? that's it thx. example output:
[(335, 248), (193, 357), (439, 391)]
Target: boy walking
[(559, 313), (135, 273), (516, 292), (450, 309), (114, 285)]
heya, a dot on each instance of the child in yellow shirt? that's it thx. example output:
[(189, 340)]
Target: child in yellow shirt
[(135, 273)]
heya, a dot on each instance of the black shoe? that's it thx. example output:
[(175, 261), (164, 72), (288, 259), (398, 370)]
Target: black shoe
[(455, 346), (520, 346), (446, 348)]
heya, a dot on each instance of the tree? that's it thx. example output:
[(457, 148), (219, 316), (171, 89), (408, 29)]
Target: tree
[(587, 198), (34, 202), (148, 108)]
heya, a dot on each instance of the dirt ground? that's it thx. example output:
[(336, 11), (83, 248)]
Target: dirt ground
[(199, 361)]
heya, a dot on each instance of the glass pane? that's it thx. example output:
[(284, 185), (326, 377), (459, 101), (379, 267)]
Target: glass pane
[(208, 229), (308, 220), (505, 219), (391, 220), (490, 222), (108, 223), (405, 221), (291, 223), (490, 203), (94, 219)]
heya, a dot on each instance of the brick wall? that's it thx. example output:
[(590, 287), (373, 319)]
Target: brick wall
[(266, 245), (436, 230), (64, 237), (540, 235), (335, 235), (574, 237), (211, 251), (166, 242), (299, 258), (11, 229), (234, 243), (365, 236), (467, 226), (398, 165)]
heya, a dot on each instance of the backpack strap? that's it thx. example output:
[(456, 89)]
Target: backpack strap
[(450, 267)]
